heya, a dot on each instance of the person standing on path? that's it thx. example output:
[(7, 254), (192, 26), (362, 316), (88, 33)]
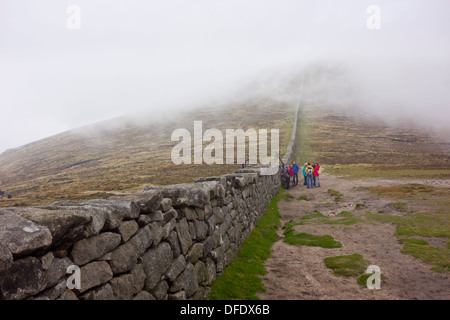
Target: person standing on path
[(291, 175), (304, 173), (316, 176), (309, 176), (296, 169), (287, 177)]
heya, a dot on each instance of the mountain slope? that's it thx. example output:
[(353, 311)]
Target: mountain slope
[(122, 154)]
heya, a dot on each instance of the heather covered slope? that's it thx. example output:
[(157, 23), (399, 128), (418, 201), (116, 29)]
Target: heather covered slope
[(122, 154)]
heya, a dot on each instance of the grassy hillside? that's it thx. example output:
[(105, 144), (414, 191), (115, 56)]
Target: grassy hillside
[(122, 155), (348, 145)]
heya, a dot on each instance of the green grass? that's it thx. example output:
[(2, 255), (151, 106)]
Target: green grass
[(400, 206), (242, 278), (316, 214), (336, 194), (438, 257), (347, 265), (421, 224), (286, 196), (362, 279), (425, 225), (306, 239), (412, 240), (353, 265), (303, 197)]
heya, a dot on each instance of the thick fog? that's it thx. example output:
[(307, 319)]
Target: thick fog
[(65, 64)]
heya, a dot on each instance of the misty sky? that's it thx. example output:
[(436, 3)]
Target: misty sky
[(161, 56)]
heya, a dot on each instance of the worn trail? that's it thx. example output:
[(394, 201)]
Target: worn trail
[(299, 272)]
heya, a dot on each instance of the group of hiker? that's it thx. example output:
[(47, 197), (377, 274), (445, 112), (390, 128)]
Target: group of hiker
[(311, 173), (2, 194)]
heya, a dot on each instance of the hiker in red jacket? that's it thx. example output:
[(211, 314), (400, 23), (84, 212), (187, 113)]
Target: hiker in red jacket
[(291, 175), (316, 175)]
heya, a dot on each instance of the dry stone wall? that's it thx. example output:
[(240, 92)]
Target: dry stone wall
[(163, 243)]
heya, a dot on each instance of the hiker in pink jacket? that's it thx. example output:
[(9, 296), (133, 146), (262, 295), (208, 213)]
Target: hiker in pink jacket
[(316, 175), (291, 174)]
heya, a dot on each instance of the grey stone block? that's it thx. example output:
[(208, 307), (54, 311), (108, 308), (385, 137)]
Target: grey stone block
[(89, 249), (18, 284), (178, 265), (184, 236), (104, 292), (156, 262), (127, 229), (21, 236), (94, 274)]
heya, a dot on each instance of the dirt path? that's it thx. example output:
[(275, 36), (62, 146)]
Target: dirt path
[(299, 272)]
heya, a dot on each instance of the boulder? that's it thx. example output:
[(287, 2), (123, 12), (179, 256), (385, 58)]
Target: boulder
[(172, 239), (66, 224), (149, 201), (191, 280), (169, 215), (123, 287), (94, 247), (195, 194), (160, 291), (144, 220), (187, 280), (190, 213), (138, 274), (54, 292), (156, 262), (142, 240), (195, 252), (202, 272), (21, 236), (104, 292), (192, 230), (180, 295), (184, 237), (212, 242), (56, 271), (94, 274), (166, 205), (168, 227), (125, 257), (18, 283), (67, 295), (178, 265), (116, 210), (211, 271), (128, 229), (157, 231), (201, 229), (6, 258), (144, 295)]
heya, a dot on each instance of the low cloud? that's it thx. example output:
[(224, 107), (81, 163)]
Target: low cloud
[(162, 57)]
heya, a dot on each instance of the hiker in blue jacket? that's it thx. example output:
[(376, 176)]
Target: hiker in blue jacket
[(304, 173), (296, 169)]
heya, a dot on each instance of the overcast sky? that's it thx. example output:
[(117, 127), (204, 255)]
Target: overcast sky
[(130, 56)]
